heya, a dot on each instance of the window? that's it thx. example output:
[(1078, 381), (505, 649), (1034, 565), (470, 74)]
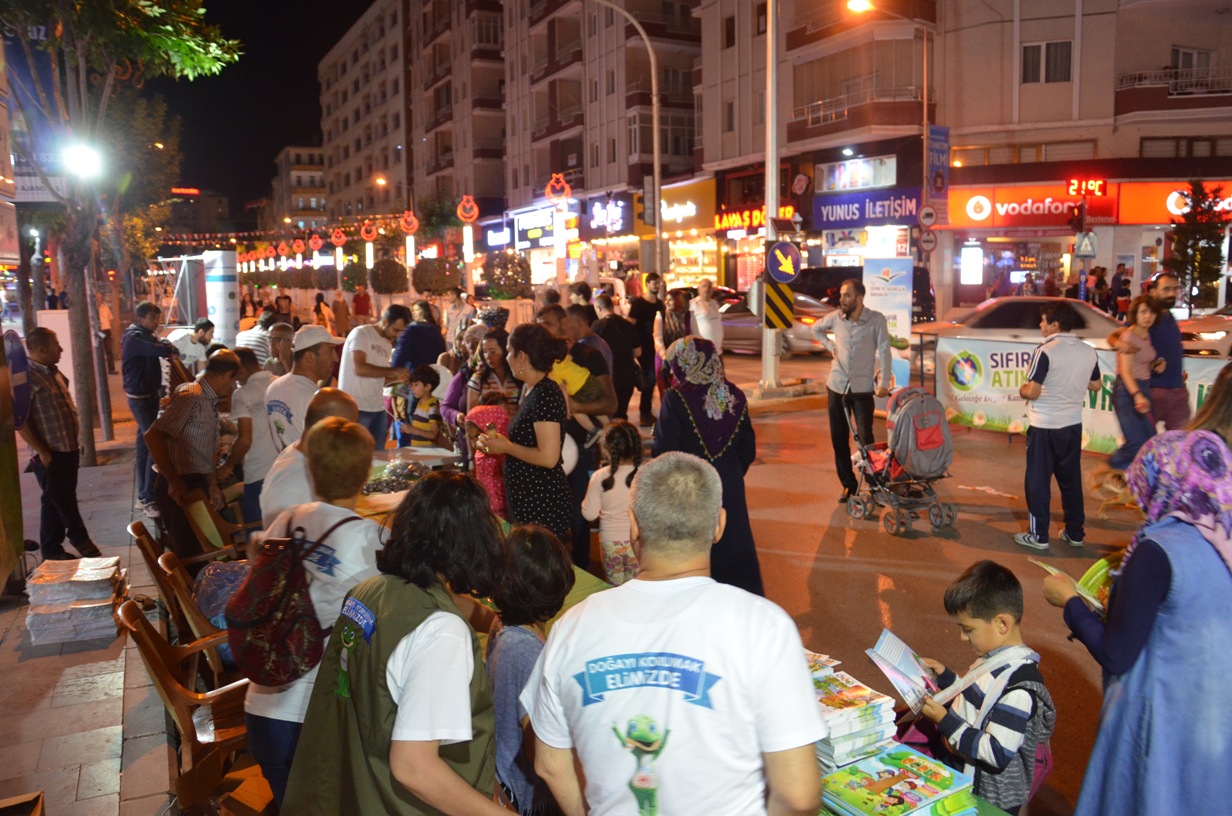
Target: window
[(1186, 59), (1047, 62), (759, 19), (515, 177), (729, 32), (609, 17), (594, 155), (611, 150), (729, 117), (761, 107), (594, 90), (611, 82), (592, 24)]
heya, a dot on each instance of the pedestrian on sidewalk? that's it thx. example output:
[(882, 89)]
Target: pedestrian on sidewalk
[(1169, 396), (643, 312), (1062, 370), (104, 330), (51, 432), (860, 371), (140, 354)]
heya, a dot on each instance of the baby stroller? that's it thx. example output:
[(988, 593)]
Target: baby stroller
[(899, 474)]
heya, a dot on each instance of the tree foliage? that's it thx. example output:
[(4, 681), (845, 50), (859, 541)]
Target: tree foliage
[(436, 275), (507, 275), (1197, 245), (354, 275), (388, 277)]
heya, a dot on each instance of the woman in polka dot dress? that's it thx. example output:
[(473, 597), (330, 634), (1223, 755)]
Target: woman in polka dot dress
[(535, 486)]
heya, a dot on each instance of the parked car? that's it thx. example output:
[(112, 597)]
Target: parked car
[(823, 284), (742, 330), (1209, 335)]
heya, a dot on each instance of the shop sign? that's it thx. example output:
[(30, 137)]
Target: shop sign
[(535, 229), (1158, 202), (978, 381), (607, 216), (497, 236), (684, 207), (749, 220), (896, 206), (1037, 205)]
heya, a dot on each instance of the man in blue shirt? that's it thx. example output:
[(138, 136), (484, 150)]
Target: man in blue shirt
[(140, 353), (1169, 396)]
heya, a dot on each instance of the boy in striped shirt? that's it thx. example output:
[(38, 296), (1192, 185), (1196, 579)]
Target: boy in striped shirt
[(994, 727)]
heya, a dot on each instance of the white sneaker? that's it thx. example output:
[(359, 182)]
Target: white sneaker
[(1030, 540), (1065, 537), (151, 510)]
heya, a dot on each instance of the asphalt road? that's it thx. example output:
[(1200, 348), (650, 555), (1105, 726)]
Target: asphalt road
[(843, 580)]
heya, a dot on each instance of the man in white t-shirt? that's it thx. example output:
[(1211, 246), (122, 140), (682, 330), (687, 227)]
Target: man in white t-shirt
[(707, 322), (286, 483), (677, 694), (254, 443), (365, 369), (191, 344), (312, 353)]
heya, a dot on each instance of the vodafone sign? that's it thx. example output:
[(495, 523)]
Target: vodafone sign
[(1045, 205), (1158, 202)]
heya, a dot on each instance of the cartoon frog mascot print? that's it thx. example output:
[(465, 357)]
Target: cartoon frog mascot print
[(642, 739)]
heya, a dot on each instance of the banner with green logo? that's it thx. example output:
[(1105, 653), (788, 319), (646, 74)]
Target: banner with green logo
[(977, 381)]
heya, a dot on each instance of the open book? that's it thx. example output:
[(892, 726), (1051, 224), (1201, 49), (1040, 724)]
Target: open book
[(1083, 592), (910, 677)]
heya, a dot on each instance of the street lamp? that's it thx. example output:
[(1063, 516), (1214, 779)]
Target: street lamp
[(83, 161), (656, 171), (862, 6)]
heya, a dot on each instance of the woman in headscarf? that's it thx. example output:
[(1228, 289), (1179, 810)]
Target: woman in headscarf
[(1165, 734), (705, 415)]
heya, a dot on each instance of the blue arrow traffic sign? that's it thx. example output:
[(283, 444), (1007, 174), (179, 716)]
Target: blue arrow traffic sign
[(783, 260)]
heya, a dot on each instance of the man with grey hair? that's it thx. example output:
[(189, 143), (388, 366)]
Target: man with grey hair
[(677, 694)]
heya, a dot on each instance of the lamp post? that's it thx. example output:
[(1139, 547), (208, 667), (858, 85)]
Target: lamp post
[(381, 181), (656, 171), (862, 6), (770, 337), (86, 163)]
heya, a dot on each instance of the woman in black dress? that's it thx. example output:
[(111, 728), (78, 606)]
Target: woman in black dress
[(535, 485), (705, 415)]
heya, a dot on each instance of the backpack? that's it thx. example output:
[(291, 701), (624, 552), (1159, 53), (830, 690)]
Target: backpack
[(272, 625)]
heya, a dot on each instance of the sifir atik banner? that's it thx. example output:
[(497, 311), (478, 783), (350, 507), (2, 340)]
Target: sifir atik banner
[(978, 380)]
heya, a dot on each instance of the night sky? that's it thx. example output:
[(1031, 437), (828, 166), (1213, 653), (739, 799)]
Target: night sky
[(234, 124)]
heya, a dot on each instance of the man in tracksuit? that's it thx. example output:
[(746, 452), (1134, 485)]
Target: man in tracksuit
[(140, 354), (1062, 370)]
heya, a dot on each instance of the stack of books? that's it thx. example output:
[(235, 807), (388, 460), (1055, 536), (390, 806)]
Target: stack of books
[(896, 782), (73, 600), (860, 720)]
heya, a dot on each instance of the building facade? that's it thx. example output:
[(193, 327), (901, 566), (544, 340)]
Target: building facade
[(298, 192)]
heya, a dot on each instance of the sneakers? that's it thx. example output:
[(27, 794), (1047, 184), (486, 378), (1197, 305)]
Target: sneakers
[(593, 437), (88, 549), (1072, 542), (1030, 540), (151, 510)]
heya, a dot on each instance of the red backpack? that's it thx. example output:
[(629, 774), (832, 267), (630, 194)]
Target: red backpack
[(272, 625)]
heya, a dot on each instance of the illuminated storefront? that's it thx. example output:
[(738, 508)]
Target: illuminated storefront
[(851, 227), (535, 234), (687, 224), (606, 232)]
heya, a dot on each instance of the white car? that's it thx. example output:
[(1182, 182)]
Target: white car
[(1209, 335), (1018, 318), (742, 330)]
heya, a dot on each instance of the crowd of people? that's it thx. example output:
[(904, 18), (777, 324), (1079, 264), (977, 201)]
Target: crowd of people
[(681, 690)]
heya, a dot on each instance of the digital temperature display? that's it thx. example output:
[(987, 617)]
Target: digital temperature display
[(1088, 187)]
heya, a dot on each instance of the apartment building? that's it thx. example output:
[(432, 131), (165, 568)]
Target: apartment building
[(1029, 95), (298, 189), (365, 108)]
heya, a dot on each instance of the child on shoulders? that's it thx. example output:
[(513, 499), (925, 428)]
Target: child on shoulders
[(995, 725), (538, 577), (607, 499)]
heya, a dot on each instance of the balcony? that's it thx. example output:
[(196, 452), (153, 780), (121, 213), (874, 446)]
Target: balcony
[(562, 120), (437, 73), (442, 116), (1171, 89), (497, 153), (662, 27), (884, 107), (442, 161), (439, 26), (637, 93), (552, 63), (540, 10), (821, 21), (487, 103)]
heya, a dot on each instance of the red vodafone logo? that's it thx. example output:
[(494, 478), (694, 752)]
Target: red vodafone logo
[(1026, 206), (978, 208)]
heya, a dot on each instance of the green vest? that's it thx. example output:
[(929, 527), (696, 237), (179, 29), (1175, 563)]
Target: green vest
[(342, 760)]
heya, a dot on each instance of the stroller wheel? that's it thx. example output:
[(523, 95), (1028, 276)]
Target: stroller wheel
[(951, 514), (936, 515), (859, 507), (904, 521), (889, 520)]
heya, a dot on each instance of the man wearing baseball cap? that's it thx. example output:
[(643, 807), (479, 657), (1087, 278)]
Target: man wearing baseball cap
[(286, 400)]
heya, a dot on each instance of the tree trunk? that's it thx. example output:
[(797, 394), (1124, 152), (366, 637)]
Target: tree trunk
[(75, 250), (25, 295)]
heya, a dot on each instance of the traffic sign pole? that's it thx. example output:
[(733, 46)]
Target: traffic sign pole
[(769, 337)]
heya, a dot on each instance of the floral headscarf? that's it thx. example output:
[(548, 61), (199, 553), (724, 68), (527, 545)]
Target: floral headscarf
[(715, 406), (1186, 475)]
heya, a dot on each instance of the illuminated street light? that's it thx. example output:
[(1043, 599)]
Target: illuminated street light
[(859, 5), (286, 219), (83, 161)]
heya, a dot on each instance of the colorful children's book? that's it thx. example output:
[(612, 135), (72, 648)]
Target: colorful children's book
[(895, 782), (1083, 592), (820, 665), (844, 699), (908, 674)]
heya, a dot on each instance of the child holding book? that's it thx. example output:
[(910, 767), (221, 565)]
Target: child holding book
[(607, 499), (538, 575), (420, 424), (994, 727)]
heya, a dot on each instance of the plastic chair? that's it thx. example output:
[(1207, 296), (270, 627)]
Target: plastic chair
[(210, 725), (214, 532), (150, 551), (172, 568)]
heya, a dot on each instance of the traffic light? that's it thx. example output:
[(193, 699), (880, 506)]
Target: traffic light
[(1078, 217)]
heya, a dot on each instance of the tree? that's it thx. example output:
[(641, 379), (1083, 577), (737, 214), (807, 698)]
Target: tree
[(508, 275), (95, 45), (1197, 246)]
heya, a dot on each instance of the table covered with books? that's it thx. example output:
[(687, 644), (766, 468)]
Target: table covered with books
[(393, 472), (864, 771)]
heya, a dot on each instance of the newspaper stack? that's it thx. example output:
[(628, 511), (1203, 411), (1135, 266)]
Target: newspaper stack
[(860, 720), (73, 600)]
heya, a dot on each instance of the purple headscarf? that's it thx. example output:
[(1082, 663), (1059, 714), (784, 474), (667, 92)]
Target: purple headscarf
[(715, 406), (1185, 475)]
